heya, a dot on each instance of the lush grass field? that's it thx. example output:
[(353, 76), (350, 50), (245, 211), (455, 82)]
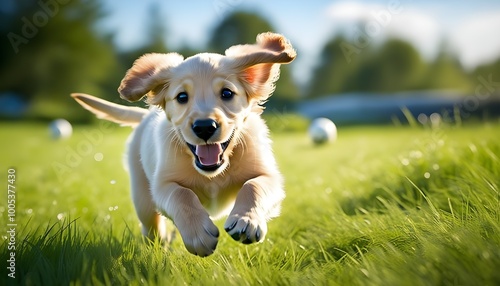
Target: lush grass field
[(381, 206)]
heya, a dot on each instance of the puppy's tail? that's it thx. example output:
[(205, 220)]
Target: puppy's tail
[(124, 115)]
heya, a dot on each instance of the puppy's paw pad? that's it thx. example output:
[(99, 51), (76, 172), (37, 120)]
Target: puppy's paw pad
[(246, 228)]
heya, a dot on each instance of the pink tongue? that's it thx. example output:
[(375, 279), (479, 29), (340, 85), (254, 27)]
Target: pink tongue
[(209, 154)]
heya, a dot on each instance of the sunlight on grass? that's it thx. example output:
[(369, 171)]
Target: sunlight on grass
[(381, 206)]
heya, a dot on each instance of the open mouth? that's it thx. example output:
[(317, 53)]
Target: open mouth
[(209, 157)]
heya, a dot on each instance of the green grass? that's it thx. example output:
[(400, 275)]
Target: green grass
[(381, 206)]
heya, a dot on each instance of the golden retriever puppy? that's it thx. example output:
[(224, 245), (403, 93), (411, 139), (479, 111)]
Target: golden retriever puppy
[(202, 150)]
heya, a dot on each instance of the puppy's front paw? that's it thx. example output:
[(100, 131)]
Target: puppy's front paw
[(247, 228), (200, 236)]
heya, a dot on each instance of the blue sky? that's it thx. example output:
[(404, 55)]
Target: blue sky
[(471, 28)]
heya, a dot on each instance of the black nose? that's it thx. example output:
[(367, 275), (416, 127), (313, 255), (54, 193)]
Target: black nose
[(205, 128)]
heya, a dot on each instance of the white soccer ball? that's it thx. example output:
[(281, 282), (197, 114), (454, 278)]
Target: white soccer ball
[(323, 130), (60, 129)]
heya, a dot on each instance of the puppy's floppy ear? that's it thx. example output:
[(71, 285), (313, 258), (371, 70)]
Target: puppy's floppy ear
[(258, 65), (147, 72)]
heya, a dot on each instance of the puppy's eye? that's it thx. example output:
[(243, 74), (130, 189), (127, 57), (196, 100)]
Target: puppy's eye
[(182, 98), (226, 94)]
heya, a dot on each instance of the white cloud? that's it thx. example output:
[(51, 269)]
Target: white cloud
[(476, 39), (391, 20), (418, 28), (350, 11)]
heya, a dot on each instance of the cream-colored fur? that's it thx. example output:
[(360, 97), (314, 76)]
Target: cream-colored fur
[(168, 169)]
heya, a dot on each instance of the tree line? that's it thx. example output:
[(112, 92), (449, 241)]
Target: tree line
[(52, 48), (391, 66)]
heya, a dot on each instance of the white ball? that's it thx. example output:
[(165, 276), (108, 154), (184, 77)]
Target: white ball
[(322, 130), (60, 129)]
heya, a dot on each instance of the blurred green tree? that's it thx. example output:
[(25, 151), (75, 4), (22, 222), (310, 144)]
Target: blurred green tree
[(242, 28), (237, 28), (332, 70), (446, 72), (394, 66), (51, 50), (489, 73)]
